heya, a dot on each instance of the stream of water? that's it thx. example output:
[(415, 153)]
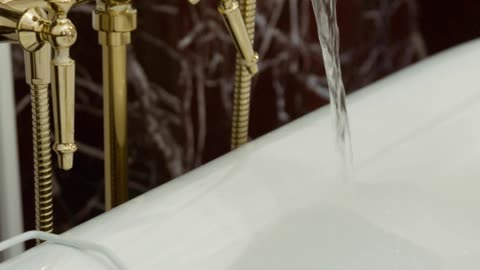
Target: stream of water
[(326, 18)]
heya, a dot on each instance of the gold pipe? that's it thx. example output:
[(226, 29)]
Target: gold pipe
[(243, 80), (38, 77), (114, 20), (31, 25), (115, 125)]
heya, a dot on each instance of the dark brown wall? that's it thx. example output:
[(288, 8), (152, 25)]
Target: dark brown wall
[(448, 23)]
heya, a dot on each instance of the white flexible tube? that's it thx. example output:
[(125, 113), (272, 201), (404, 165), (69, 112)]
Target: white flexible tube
[(11, 219), (57, 239)]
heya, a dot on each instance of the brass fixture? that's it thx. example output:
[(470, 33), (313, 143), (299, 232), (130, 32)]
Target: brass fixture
[(39, 26), (42, 25), (63, 36), (38, 77), (114, 20), (243, 81), (240, 21), (239, 30)]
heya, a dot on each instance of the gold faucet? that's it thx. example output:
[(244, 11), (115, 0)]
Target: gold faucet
[(115, 20), (39, 26), (241, 28)]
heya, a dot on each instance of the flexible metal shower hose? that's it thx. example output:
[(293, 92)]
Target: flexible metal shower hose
[(243, 80), (42, 163)]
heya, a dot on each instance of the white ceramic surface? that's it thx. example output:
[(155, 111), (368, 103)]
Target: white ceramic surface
[(277, 203), (11, 219)]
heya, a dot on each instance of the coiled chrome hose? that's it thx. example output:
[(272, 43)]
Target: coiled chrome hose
[(42, 163), (243, 80)]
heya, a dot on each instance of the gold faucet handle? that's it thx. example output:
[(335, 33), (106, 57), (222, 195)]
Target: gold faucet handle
[(62, 36), (234, 21), (63, 99)]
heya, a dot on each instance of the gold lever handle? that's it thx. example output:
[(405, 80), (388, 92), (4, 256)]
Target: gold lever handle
[(62, 36)]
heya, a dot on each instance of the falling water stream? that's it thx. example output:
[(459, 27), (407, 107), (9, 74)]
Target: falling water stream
[(326, 18)]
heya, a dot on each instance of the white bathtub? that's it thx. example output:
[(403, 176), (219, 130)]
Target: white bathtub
[(11, 219), (277, 203)]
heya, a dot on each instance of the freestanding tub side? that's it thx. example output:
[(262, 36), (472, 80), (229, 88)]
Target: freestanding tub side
[(11, 218)]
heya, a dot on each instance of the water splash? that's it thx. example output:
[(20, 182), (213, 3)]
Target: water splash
[(326, 18)]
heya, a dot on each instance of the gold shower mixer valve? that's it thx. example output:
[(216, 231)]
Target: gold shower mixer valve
[(40, 25), (233, 19)]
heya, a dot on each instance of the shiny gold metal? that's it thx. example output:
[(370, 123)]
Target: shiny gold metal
[(62, 36), (243, 81), (25, 4), (8, 23), (38, 77), (115, 126), (240, 28), (36, 25), (30, 28), (240, 21), (114, 20), (234, 21)]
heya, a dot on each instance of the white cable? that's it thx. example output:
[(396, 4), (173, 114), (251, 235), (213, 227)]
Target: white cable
[(60, 240)]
